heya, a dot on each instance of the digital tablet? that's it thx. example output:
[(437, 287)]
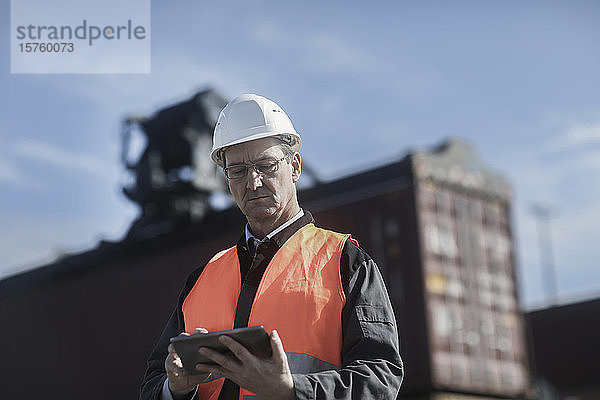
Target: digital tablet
[(254, 338)]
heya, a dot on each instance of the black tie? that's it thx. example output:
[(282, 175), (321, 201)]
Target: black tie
[(230, 390), (252, 246)]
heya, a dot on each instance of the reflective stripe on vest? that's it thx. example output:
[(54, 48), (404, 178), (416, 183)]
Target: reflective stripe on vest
[(300, 295)]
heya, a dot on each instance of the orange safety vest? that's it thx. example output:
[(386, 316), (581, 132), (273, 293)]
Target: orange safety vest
[(300, 295)]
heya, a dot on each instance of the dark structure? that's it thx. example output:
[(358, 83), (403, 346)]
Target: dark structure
[(437, 224), (566, 348), (173, 177)]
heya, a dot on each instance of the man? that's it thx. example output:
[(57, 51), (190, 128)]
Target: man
[(321, 297)]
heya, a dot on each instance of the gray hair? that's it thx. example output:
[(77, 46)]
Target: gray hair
[(288, 152)]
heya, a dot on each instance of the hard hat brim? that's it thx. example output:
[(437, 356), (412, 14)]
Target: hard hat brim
[(216, 154)]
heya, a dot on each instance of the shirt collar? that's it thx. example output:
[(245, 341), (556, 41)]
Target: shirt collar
[(277, 230)]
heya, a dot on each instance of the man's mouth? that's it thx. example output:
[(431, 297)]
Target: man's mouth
[(257, 198)]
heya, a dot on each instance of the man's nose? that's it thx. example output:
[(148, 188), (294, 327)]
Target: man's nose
[(253, 180)]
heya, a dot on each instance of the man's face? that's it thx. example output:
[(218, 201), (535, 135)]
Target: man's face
[(263, 197)]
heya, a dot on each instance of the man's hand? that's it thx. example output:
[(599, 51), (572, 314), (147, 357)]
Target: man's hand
[(180, 382), (268, 378)]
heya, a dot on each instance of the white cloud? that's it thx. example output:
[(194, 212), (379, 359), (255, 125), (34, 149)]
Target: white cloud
[(576, 136), (329, 53), (13, 176), (584, 134), (315, 51), (54, 155), (592, 159), (8, 172)]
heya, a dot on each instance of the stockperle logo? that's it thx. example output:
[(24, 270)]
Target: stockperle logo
[(80, 36), (89, 33)]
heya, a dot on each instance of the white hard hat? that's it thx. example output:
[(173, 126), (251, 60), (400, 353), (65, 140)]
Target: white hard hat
[(250, 117)]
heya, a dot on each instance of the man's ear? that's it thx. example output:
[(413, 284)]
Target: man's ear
[(296, 167), (227, 183), (223, 171)]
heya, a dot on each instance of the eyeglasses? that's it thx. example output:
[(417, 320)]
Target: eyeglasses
[(266, 167)]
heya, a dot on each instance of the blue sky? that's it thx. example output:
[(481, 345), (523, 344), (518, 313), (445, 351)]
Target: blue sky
[(517, 79)]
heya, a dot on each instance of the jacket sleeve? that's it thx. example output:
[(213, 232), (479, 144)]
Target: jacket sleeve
[(371, 363), (155, 376)]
